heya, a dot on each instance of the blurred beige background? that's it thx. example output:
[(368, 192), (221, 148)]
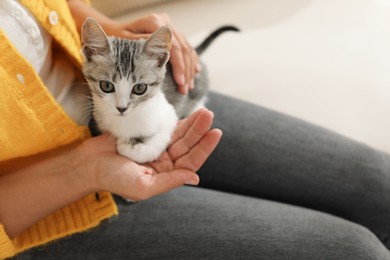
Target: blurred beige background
[(324, 61)]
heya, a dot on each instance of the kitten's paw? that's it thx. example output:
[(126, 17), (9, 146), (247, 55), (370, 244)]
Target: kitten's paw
[(139, 150)]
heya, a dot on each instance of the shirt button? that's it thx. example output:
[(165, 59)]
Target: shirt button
[(37, 40), (30, 30), (17, 13), (20, 78), (53, 18)]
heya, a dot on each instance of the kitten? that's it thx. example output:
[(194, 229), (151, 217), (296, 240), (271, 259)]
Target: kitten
[(133, 92)]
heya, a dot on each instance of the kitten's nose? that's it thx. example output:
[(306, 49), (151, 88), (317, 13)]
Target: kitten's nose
[(121, 109)]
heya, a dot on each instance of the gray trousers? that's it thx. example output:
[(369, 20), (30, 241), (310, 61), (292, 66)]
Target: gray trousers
[(275, 188)]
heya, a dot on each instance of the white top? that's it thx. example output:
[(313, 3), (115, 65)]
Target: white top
[(35, 44)]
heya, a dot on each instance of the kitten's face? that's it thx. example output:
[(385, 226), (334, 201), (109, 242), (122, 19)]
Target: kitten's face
[(123, 74)]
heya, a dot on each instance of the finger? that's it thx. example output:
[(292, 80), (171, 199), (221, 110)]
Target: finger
[(197, 62), (146, 24), (194, 62), (190, 59), (194, 134), (186, 52), (185, 124), (152, 185), (130, 35), (162, 163), (196, 157), (178, 65), (192, 65)]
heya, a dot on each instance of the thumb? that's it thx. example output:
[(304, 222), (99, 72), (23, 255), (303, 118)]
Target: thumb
[(167, 181), (133, 36)]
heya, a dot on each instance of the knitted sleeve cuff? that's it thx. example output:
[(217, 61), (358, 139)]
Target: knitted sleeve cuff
[(7, 247)]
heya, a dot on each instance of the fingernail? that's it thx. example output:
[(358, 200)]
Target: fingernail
[(191, 182), (181, 80), (197, 67), (186, 89), (212, 114), (192, 84)]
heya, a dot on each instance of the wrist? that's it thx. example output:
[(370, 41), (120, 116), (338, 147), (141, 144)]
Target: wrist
[(81, 171), (95, 157)]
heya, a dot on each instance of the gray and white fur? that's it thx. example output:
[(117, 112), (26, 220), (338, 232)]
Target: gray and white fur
[(134, 96)]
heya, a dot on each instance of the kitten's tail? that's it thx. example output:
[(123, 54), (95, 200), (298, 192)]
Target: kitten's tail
[(206, 42)]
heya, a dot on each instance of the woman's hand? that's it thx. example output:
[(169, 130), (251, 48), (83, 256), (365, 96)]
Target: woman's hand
[(183, 58), (191, 145), (38, 190)]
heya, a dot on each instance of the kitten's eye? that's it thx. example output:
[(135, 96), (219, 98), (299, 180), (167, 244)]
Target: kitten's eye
[(106, 86), (140, 89)]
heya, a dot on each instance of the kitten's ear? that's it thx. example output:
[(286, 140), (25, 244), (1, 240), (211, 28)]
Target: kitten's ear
[(95, 41), (159, 44)]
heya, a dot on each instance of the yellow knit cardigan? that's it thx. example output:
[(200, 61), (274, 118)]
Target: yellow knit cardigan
[(32, 125)]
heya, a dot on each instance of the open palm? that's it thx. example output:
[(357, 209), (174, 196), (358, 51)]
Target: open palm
[(192, 143)]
